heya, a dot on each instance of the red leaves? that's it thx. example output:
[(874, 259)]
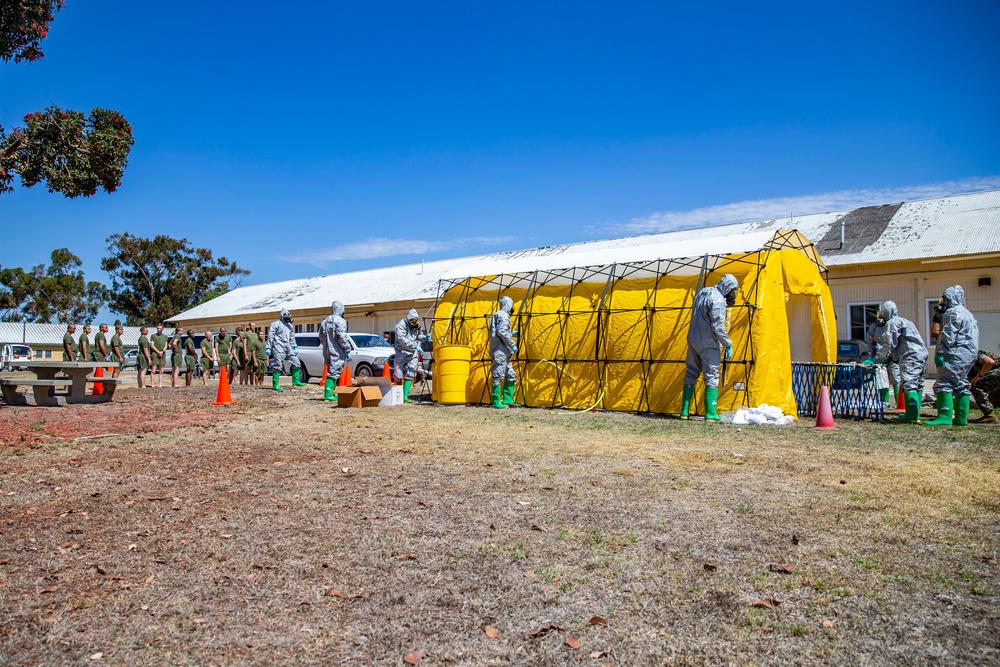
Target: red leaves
[(413, 657), (783, 569), (572, 642), (542, 630), (598, 620), (767, 603), (491, 632)]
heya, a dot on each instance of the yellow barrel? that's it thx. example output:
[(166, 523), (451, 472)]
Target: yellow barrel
[(452, 364)]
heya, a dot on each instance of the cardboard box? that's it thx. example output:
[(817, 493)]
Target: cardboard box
[(358, 397)]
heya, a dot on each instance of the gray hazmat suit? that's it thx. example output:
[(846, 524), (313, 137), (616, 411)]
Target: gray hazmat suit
[(901, 342), (407, 343), (335, 341), (281, 340), (708, 332), (958, 342), (873, 339), (502, 344)]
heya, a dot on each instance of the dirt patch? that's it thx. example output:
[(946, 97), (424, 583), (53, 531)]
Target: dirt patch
[(298, 533)]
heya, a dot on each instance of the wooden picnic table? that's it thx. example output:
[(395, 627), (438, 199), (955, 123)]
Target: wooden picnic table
[(49, 389)]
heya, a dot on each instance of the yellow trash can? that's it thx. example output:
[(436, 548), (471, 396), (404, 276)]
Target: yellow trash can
[(452, 364)]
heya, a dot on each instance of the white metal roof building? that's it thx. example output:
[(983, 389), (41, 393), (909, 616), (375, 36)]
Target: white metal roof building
[(905, 251)]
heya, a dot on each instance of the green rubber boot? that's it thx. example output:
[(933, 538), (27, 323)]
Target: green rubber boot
[(498, 398), (686, 404), (961, 417), (912, 415), (407, 385), (947, 403), (275, 379), (885, 394), (508, 394), (711, 403), (328, 389), (297, 378)]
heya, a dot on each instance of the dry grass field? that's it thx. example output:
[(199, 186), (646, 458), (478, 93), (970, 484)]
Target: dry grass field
[(158, 530)]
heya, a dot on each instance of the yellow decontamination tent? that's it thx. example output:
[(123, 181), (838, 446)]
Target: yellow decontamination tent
[(607, 328)]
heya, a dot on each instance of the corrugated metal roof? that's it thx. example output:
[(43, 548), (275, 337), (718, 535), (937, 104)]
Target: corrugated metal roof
[(52, 334), (966, 224)]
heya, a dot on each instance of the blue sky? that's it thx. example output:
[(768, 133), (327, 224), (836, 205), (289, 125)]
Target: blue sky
[(327, 137)]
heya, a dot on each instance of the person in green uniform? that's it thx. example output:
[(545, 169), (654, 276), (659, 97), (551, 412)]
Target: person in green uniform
[(84, 344), (250, 362), (207, 356), (144, 361), (117, 351), (223, 349), (158, 352), (100, 351), (176, 347), (190, 357), (70, 348), (236, 361), (260, 357)]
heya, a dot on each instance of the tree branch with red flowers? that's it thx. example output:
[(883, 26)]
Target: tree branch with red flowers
[(69, 152)]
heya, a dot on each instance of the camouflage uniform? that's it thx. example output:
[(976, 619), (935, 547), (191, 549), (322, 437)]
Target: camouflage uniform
[(986, 392)]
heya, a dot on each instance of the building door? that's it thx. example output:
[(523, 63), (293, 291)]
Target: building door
[(798, 309)]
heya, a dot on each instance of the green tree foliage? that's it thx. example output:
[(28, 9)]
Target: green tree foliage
[(154, 279), (71, 152), (57, 292)]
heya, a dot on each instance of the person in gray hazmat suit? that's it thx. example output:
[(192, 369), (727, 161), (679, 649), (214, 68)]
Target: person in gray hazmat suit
[(900, 342), (407, 344), (502, 351), (337, 347), (281, 347), (706, 333), (957, 349), (889, 376)]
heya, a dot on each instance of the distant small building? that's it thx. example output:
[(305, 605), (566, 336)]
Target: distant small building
[(46, 339), (908, 252)]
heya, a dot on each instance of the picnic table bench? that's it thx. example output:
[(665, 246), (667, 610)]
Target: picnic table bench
[(46, 385)]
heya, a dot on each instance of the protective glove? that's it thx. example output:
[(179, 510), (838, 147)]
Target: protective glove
[(513, 349), (869, 362), (729, 351), (348, 356), (295, 350), (267, 351), (939, 359), (515, 334)]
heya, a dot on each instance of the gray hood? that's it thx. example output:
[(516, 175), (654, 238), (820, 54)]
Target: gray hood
[(413, 315), (888, 310), (285, 315), (337, 308), (506, 304), (727, 284), (954, 296)]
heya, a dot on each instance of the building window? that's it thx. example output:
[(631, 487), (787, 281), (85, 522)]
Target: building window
[(310, 328), (39, 354), (861, 316), (298, 328), (929, 314), (48, 354)]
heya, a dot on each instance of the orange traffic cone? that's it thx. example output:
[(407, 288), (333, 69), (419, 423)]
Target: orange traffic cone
[(345, 377), (223, 397), (901, 401), (824, 415), (322, 380), (386, 373), (98, 386)]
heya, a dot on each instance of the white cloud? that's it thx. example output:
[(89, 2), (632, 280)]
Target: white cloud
[(763, 209), (385, 247)]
